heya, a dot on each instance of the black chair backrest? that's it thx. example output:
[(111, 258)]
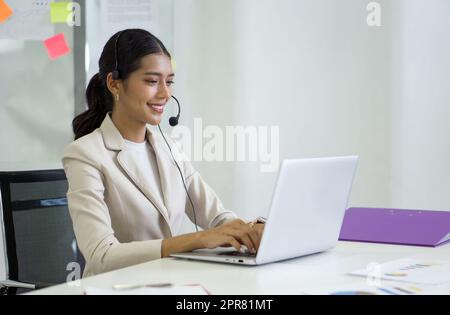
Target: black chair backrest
[(40, 241)]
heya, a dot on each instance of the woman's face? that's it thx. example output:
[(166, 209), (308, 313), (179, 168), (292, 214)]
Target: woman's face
[(147, 90)]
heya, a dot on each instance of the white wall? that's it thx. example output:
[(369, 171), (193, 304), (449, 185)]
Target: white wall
[(420, 146), (206, 55), (334, 86)]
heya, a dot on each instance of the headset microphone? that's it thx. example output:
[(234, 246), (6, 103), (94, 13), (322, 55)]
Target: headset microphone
[(173, 121)]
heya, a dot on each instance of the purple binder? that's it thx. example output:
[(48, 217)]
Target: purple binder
[(396, 226)]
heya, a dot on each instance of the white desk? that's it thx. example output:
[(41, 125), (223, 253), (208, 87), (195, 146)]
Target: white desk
[(325, 271)]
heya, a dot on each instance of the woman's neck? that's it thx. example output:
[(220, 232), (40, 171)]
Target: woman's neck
[(131, 130)]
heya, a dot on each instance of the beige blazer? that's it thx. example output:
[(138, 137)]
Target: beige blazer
[(117, 219)]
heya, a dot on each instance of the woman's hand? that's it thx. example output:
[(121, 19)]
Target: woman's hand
[(235, 233)]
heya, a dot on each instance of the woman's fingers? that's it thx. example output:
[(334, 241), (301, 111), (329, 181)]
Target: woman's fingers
[(242, 235), (233, 242), (245, 239), (255, 237)]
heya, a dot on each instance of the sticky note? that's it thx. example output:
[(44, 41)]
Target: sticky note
[(56, 46), (59, 12), (5, 11)]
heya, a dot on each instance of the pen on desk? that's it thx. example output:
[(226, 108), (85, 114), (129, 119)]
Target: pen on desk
[(120, 287)]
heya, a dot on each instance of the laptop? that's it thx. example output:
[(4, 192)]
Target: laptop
[(306, 213)]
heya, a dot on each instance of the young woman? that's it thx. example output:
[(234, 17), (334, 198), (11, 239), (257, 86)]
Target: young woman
[(127, 191)]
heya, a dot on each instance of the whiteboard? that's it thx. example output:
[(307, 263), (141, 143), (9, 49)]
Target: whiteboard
[(3, 268)]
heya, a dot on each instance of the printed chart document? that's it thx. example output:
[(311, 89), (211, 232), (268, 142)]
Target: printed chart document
[(409, 270), (364, 289)]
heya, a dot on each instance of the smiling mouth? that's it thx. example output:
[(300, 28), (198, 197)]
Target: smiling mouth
[(157, 108)]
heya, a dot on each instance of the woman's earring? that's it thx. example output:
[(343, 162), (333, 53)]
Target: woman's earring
[(117, 97)]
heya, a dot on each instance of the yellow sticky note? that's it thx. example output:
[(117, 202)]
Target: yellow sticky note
[(5, 11), (59, 12)]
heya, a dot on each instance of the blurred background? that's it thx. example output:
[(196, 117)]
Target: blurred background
[(333, 83)]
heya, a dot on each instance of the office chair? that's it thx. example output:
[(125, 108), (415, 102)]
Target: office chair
[(39, 238)]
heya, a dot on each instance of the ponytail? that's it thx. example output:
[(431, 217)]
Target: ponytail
[(99, 102)]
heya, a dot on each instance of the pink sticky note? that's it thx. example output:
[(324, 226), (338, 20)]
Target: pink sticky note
[(56, 46)]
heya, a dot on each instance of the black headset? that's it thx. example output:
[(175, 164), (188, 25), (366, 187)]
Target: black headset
[(173, 121)]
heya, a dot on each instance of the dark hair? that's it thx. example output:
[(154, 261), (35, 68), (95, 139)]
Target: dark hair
[(133, 44)]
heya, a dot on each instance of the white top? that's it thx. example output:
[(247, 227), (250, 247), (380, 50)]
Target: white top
[(145, 157)]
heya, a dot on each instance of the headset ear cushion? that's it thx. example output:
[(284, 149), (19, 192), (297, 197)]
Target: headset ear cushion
[(115, 74)]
